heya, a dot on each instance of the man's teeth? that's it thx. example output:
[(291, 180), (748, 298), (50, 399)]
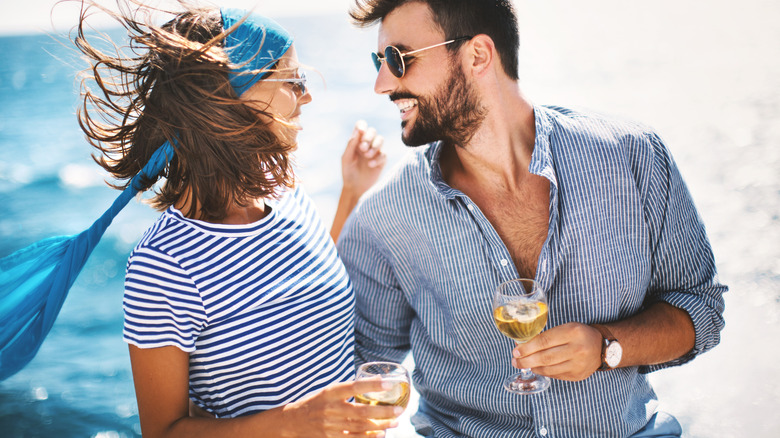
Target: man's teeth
[(406, 104)]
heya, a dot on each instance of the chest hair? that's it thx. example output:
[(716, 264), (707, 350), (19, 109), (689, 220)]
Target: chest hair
[(521, 219)]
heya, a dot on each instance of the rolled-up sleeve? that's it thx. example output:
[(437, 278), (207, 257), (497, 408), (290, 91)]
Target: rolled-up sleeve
[(683, 265)]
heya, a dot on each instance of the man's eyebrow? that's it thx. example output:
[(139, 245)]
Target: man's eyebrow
[(402, 47)]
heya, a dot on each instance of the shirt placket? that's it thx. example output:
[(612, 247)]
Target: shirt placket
[(500, 257), (499, 254), (542, 415), (506, 270), (546, 268)]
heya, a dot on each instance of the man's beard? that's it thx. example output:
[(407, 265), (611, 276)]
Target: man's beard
[(452, 115)]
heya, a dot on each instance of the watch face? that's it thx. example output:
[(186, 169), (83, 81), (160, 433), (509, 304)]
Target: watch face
[(613, 354)]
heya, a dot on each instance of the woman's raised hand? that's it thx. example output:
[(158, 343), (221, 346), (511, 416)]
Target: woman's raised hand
[(361, 164), (363, 159)]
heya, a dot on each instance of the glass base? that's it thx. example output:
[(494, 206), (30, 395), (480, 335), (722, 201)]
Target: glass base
[(526, 383)]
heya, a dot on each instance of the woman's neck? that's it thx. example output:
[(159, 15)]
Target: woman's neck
[(235, 214), (246, 215)]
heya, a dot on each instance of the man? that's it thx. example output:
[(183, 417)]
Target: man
[(592, 208)]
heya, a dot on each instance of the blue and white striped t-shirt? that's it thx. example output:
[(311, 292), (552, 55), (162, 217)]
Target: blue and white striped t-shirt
[(623, 233), (265, 309)]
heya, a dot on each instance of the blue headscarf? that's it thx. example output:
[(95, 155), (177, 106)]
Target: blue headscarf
[(254, 46), (34, 281)]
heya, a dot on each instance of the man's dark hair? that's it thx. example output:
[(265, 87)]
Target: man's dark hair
[(494, 18)]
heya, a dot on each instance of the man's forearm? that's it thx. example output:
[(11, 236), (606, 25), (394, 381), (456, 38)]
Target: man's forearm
[(656, 335)]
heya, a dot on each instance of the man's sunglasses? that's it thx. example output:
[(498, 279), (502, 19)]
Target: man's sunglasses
[(395, 59), (298, 84)]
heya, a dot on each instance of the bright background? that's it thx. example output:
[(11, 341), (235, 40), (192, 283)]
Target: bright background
[(705, 75)]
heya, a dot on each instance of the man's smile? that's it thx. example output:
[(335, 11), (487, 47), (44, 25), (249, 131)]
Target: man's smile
[(405, 106)]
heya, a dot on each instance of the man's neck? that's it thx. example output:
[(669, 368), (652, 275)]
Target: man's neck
[(499, 153)]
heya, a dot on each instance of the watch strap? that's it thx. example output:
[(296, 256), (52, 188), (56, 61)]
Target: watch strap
[(608, 337)]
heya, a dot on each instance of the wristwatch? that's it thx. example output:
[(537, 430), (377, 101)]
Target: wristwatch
[(611, 350)]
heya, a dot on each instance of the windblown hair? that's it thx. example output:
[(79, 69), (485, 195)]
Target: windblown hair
[(457, 18), (174, 86)]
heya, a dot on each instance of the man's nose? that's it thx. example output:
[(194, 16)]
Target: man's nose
[(385, 81)]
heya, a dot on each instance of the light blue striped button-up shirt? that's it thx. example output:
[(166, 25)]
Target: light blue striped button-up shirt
[(623, 233)]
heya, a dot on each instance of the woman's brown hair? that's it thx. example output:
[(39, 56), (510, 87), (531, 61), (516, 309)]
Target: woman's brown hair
[(174, 86)]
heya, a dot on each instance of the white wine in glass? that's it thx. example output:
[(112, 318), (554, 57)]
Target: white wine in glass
[(396, 374), (520, 313)]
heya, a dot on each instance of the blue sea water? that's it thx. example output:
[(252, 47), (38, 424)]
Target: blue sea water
[(38, 142), (714, 96)]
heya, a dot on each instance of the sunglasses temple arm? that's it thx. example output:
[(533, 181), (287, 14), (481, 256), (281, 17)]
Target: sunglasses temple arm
[(426, 48)]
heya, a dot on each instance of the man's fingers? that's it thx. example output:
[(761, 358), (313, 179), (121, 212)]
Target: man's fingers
[(569, 370), (566, 334), (541, 342), (567, 352), (543, 358)]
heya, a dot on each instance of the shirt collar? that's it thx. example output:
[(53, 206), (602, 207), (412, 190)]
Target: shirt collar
[(433, 154), (541, 158)]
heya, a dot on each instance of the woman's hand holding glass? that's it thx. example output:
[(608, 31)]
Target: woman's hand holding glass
[(329, 413), (396, 389), (396, 381)]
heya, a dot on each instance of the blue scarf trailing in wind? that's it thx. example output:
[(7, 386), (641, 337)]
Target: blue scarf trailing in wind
[(35, 280)]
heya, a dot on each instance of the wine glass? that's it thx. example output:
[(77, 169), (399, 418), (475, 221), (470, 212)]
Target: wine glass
[(397, 395), (520, 313)]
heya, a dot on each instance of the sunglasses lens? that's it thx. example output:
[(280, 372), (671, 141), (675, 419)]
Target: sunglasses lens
[(394, 61), (377, 61), (302, 85)]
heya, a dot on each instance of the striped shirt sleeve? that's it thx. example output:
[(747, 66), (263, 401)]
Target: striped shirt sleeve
[(382, 332), (161, 304), (683, 269)]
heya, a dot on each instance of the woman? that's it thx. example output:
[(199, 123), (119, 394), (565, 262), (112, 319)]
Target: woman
[(235, 298)]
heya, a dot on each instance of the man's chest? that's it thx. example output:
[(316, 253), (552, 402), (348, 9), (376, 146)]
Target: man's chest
[(521, 220)]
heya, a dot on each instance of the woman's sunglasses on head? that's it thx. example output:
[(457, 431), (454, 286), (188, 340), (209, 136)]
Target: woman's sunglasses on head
[(395, 59)]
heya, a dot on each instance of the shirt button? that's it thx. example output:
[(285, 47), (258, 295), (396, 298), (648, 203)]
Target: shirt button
[(470, 207), (543, 431), (504, 262)]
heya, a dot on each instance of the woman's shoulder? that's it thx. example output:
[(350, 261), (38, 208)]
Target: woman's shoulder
[(158, 238)]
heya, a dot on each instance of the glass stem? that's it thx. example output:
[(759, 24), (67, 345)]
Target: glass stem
[(526, 374)]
